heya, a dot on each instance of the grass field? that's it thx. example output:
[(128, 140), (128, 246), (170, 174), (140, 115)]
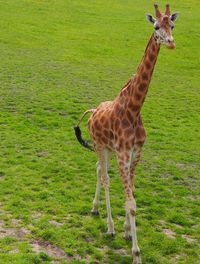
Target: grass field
[(57, 59)]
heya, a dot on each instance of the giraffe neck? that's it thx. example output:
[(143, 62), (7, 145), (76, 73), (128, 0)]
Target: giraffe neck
[(135, 90)]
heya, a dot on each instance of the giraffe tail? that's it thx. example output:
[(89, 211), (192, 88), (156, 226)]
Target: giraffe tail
[(78, 131)]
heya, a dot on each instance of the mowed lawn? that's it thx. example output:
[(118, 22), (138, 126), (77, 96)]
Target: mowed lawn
[(57, 59)]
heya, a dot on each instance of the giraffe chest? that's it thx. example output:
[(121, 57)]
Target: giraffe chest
[(128, 137)]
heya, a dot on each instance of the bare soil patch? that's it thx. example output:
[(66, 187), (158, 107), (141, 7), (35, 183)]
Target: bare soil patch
[(189, 239), (55, 223), (19, 233), (51, 250), (169, 233)]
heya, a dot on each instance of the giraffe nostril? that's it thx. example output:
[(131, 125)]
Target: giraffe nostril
[(170, 40)]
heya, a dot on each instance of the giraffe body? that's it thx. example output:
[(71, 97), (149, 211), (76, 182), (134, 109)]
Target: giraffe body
[(116, 126)]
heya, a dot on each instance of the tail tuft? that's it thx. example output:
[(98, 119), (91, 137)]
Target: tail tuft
[(80, 139)]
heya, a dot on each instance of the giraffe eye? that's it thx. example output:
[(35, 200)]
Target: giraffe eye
[(172, 26), (156, 27)]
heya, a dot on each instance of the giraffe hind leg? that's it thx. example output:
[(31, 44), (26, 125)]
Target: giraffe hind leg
[(95, 210), (104, 156), (97, 193)]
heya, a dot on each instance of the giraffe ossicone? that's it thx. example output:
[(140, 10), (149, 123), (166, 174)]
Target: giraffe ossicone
[(116, 126)]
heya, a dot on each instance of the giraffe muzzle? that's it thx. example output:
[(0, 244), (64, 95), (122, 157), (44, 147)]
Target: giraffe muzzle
[(170, 44)]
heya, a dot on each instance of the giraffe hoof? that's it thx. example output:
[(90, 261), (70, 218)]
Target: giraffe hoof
[(129, 237), (95, 213), (112, 234)]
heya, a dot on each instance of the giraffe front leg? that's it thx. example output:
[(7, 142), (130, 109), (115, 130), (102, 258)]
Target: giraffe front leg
[(103, 159), (131, 212), (130, 205), (134, 160), (127, 228), (108, 207), (135, 248), (97, 193)]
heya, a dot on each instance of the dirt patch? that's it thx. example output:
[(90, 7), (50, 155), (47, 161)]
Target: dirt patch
[(13, 232), (15, 222), (51, 250), (68, 217), (178, 226), (162, 222), (121, 252), (179, 257), (193, 197), (1, 223), (14, 251), (22, 233), (42, 154), (184, 166), (55, 223), (169, 233), (7, 232), (36, 215), (189, 239), (2, 175)]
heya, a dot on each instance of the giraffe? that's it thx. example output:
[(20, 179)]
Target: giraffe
[(116, 126)]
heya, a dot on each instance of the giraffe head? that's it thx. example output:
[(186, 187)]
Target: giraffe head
[(163, 25)]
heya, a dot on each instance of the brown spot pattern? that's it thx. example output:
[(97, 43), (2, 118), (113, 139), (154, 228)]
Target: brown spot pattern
[(136, 108), (144, 76), (105, 140), (111, 135), (106, 125), (128, 132), (140, 132), (130, 117), (125, 123), (122, 99), (138, 79), (106, 133), (97, 134), (138, 96), (97, 125), (151, 57), (119, 132), (102, 120), (119, 110), (142, 87), (148, 65), (121, 163), (127, 145), (117, 123), (121, 143)]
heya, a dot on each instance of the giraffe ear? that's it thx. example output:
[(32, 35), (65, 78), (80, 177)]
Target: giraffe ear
[(174, 16), (150, 18)]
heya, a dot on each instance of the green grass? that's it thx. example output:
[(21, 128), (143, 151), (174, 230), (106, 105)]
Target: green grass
[(59, 58)]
